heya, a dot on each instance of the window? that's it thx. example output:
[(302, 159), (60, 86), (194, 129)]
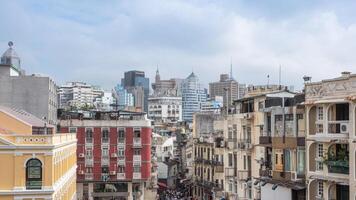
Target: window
[(105, 135), (72, 130), (320, 113), (121, 135), (89, 153), (33, 174), (289, 117), (88, 170), (105, 152), (278, 118), (121, 152), (230, 160), (319, 128), (319, 154), (320, 189), (121, 169), (137, 133), (137, 152), (245, 162), (105, 170), (136, 169), (89, 135)]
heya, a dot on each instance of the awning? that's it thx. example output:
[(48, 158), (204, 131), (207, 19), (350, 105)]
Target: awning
[(162, 185)]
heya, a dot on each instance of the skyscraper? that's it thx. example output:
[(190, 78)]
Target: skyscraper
[(192, 96), (228, 88), (136, 83)]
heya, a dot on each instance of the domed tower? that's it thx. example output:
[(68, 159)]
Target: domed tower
[(10, 57)]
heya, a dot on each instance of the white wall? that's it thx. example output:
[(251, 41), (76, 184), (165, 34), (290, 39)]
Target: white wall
[(281, 193)]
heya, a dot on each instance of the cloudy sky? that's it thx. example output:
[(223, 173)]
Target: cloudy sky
[(96, 41)]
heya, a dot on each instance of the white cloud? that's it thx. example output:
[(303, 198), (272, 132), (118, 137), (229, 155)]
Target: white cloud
[(98, 43)]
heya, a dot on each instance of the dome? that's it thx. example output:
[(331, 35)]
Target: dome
[(10, 57)]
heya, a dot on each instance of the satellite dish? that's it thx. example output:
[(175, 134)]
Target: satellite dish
[(10, 44)]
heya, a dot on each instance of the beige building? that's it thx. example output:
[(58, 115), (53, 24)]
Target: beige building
[(330, 139), (37, 163)]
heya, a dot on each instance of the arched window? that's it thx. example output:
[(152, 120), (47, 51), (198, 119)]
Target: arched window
[(33, 174)]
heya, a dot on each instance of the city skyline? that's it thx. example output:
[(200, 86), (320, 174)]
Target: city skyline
[(303, 37)]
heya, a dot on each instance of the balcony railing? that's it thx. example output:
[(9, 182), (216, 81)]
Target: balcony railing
[(338, 166), (230, 172), (266, 173), (121, 161), (89, 161), (121, 176), (89, 176), (105, 161), (244, 144), (266, 139), (88, 141), (137, 142), (136, 175), (338, 127), (243, 174)]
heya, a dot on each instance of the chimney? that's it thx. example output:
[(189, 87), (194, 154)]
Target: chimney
[(345, 74)]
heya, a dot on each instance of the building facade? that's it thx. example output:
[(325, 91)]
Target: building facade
[(192, 97), (330, 147), (34, 93), (124, 98), (282, 168), (114, 154), (165, 109), (37, 162)]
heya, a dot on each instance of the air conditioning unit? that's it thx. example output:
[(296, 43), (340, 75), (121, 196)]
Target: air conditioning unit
[(81, 155), (344, 127), (81, 172), (113, 155), (112, 172)]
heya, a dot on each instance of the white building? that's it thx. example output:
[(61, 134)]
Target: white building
[(192, 97), (78, 94), (213, 105), (165, 108)]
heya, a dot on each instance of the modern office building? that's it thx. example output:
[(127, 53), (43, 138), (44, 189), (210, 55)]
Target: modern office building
[(114, 154), (192, 96), (124, 98), (228, 88), (330, 138), (34, 93), (137, 84), (37, 163)]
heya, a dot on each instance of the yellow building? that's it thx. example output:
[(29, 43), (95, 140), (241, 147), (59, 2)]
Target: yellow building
[(36, 163)]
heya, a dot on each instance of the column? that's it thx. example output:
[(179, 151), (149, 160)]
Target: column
[(90, 191), (129, 189)]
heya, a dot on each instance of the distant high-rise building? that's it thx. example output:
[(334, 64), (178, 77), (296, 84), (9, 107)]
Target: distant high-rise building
[(166, 87), (124, 98), (192, 97), (78, 94), (132, 82), (228, 88), (35, 94)]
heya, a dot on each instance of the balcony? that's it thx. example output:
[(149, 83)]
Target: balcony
[(266, 139), (121, 176), (89, 176), (230, 172), (121, 161), (105, 176), (338, 166), (105, 161), (121, 142), (89, 162), (136, 175), (338, 127), (244, 144), (243, 175), (266, 173), (88, 141), (137, 159), (137, 142)]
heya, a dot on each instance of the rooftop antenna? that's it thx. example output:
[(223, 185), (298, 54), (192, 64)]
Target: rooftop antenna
[(267, 80), (279, 74), (231, 68)]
